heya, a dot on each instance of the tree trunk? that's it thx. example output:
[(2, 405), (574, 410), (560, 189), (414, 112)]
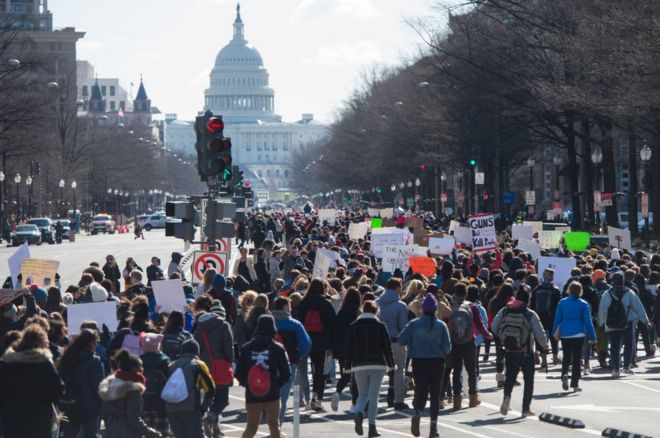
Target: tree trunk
[(576, 223), (633, 183), (588, 173), (609, 174)]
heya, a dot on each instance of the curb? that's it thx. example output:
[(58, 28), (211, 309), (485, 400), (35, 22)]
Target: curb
[(616, 433), (571, 423)]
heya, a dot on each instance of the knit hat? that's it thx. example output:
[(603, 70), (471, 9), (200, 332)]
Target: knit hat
[(67, 298), (430, 304), (599, 274), (98, 292), (617, 278), (190, 346), (40, 294), (616, 254), (241, 284), (266, 326), (219, 281), (483, 274), (218, 309), (150, 342)]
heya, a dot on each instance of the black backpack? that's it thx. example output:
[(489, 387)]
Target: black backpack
[(542, 301), (617, 317)]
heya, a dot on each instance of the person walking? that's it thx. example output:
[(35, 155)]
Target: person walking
[(155, 364), (518, 328), (600, 287), (572, 325), (394, 313), (263, 369), (348, 312), (368, 356), (428, 341), (545, 298)]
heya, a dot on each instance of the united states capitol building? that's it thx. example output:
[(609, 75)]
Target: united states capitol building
[(262, 144)]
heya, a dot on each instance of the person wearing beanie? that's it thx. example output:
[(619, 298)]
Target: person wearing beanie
[(111, 272), (216, 342), (40, 295), (260, 361), (174, 266), (185, 417), (428, 341), (545, 299), (67, 298), (619, 319), (226, 297), (155, 368), (600, 287), (98, 293)]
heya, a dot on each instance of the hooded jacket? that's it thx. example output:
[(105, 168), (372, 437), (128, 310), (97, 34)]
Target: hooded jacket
[(631, 302), (263, 350), (345, 318), (84, 380), (538, 332), (393, 312), (198, 379), (122, 409), (292, 335), (219, 338), (554, 296), (155, 366)]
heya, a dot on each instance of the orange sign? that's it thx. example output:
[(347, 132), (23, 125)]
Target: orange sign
[(423, 265)]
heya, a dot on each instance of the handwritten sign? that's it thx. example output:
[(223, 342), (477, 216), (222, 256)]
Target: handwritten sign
[(530, 246), (395, 257), (522, 232), (619, 238), (424, 265), (376, 222), (322, 263), (441, 245), (327, 214), (169, 295), (484, 235), (386, 212), (101, 313), (357, 231), (550, 239), (39, 271), (562, 267), (381, 237), (537, 226), (463, 235)]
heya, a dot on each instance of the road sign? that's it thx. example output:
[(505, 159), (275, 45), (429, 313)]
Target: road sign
[(262, 196), (222, 245), (509, 197), (479, 178), (645, 205), (530, 197), (206, 259), (606, 199), (556, 207)]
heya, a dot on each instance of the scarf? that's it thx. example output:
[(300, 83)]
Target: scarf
[(131, 376)]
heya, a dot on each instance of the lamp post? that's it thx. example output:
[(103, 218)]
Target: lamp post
[(61, 185), (557, 162), (531, 163), (2, 205), (443, 178), (17, 180), (74, 185), (596, 159), (645, 154), (28, 182)]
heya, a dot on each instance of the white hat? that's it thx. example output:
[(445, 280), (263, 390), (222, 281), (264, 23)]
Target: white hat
[(99, 294)]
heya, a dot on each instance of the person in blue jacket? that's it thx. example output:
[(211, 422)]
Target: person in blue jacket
[(573, 325), (428, 343)]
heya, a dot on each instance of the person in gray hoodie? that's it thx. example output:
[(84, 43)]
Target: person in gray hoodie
[(394, 313)]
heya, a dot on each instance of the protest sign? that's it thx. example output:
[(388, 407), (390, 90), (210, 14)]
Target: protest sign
[(530, 246), (376, 222), (327, 214), (550, 239), (322, 263), (101, 313), (453, 225), (562, 267), (522, 232), (7, 295), (39, 271), (441, 245), (386, 212), (463, 235), (577, 241), (619, 238), (395, 257), (169, 295), (537, 226), (417, 250), (15, 261), (484, 236), (373, 212), (423, 265), (357, 231), (381, 237)]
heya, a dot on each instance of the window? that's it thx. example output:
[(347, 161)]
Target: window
[(277, 172), (84, 90), (248, 147), (259, 173), (268, 172), (259, 148), (112, 90), (112, 105), (122, 105), (286, 173), (266, 148)]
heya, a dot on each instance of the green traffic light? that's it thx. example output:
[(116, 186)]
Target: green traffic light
[(473, 163), (226, 175)]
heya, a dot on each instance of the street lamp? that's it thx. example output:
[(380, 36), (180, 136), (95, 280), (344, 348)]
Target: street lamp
[(393, 188), (17, 180), (645, 154), (28, 182), (409, 184), (402, 186), (74, 185), (14, 63), (417, 182), (61, 183), (557, 162)]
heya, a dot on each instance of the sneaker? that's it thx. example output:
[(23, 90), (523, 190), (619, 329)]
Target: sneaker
[(353, 409), (414, 424), (564, 382), (401, 406), (615, 374), (528, 413), (308, 405), (556, 360), (577, 389), (586, 371), (334, 402), (318, 406), (628, 371), (506, 403)]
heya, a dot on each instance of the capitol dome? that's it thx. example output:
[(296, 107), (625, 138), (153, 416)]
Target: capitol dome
[(239, 89)]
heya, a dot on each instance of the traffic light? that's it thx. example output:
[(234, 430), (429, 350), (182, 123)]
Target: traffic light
[(421, 167), (237, 177), (216, 212), (473, 162), (213, 149), (182, 226)]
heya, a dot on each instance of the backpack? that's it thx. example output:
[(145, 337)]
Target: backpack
[(313, 323), (258, 377), (617, 317), (461, 324), (155, 382), (514, 330), (131, 343), (171, 344), (175, 389), (542, 301)]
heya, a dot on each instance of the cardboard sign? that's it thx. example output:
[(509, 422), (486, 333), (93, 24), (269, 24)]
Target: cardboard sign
[(357, 231), (39, 271), (376, 222), (395, 257), (577, 241), (424, 265), (537, 226), (15, 262), (463, 235), (562, 267), (101, 313), (619, 238), (484, 235), (417, 250), (530, 246), (381, 237), (550, 239), (522, 232), (386, 213), (441, 245), (373, 212), (169, 295), (327, 214)]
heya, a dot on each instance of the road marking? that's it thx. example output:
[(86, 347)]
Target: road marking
[(508, 432), (449, 426), (640, 386)]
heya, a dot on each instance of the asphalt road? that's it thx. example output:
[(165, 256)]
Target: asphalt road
[(629, 403)]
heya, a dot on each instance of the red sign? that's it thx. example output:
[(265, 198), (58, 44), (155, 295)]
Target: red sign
[(205, 260), (556, 206), (606, 199), (222, 245)]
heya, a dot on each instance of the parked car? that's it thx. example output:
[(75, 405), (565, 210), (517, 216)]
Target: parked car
[(66, 228), (149, 222), (29, 233), (103, 223), (46, 227)]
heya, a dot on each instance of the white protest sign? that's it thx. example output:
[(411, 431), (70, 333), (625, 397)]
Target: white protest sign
[(322, 263), (441, 245), (357, 231), (463, 235), (484, 236), (550, 239), (522, 232), (619, 238), (530, 246), (416, 250), (373, 212), (169, 295), (536, 225), (101, 313), (386, 213), (453, 225), (15, 261), (327, 214), (395, 257), (391, 236), (562, 267)]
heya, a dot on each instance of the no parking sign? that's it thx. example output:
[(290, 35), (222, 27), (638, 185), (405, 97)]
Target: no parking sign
[(207, 259)]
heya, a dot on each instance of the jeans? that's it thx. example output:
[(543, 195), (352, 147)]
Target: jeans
[(303, 378), (645, 332), (428, 374), (464, 355), (344, 380), (397, 377), (618, 337), (220, 402), (285, 390), (572, 358), (368, 383), (186, 424), (88, 421), (514, 363), (254, 411), (601, 344)]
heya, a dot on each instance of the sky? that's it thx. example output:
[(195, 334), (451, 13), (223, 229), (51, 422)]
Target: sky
[(314, 50)]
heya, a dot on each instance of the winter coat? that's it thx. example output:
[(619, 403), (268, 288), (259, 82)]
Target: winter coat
[(573, 316), (122, 409), (82, 384), (288, 262), (554, 295), (251, 323), (262, 281), (155, 371), (219, 336), (345, 318), (198, 379), (30, 386), (631, 303), (393, 312), (369, 346), (228, 302), (154, 273), (324, 339), (426, 339), (292, 335), (538, 332), (269, 354)]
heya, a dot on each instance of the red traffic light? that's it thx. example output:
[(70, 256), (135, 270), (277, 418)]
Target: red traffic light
[(422, 168), (215, 125)]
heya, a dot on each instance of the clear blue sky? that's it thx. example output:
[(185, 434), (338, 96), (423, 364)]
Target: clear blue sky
[(315, 50)]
